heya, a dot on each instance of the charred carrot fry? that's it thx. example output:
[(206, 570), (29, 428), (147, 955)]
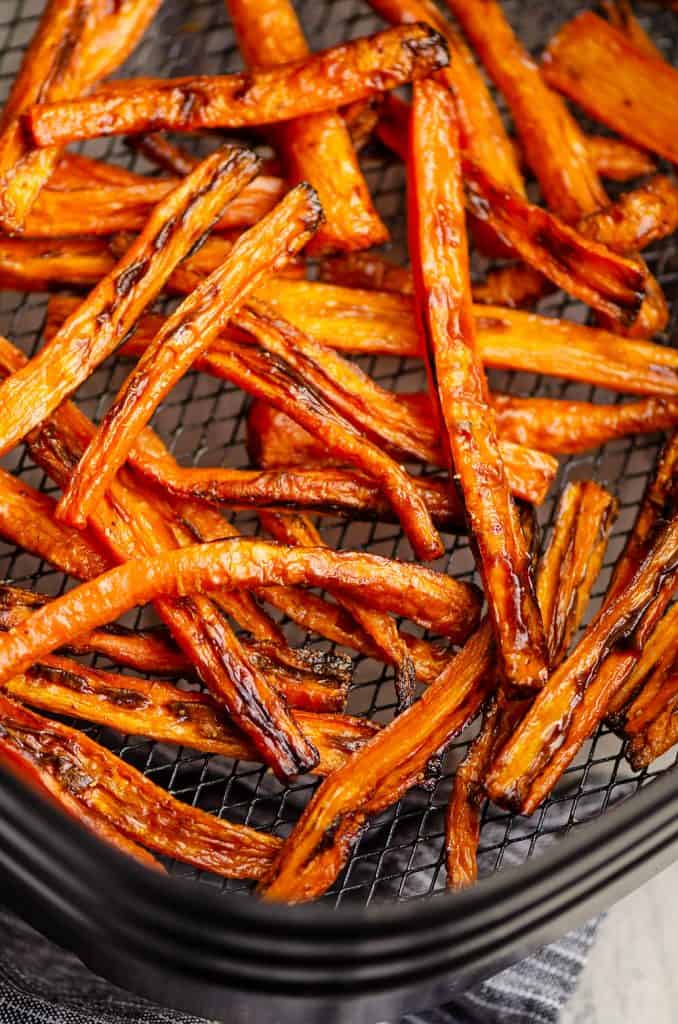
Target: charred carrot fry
[(321, 82), (431, 599), (27, 265), (652, 723), (616, 159), (562, 716), (638, 218), (566, 575), (318, 148), (162, 712), (552, 140), (605, 72), (111, 309), (351, 320), (654, 650), (187, 334), (443, 301), (609, 283), (384, 769), (104, 794), (297, 530), (165, 154)]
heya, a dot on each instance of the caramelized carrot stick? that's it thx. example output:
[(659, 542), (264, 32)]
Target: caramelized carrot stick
[(297, 530), (620, 14), (655, 648), (566, 575), (637, 219), (317, 148), (616, 159), (515, 286), (431, 599), (562, 716), (97, 326), (186, 334), (162, 712), (27, 265), (616, 82), (443, 302), (105, 794), (321, 82), (117, 34), (652, 724)]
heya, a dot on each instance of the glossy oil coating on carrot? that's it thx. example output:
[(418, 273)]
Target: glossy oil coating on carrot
[(443, 301), (317, 148), (576, 547), (28, 265), (162, 712), (429, 598), (186, 334), (637, 219), (533, 760), (652, 723), (100, 323), (551, 138), (605, 73), (616, 159), (321, 82), (93, 785), (611, 284), (388, 765)]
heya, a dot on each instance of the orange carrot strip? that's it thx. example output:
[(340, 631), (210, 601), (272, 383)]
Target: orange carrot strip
[(637, 219), (616, 159)]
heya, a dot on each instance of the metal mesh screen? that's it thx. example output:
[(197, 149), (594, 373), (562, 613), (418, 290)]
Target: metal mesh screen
[(400, 853)]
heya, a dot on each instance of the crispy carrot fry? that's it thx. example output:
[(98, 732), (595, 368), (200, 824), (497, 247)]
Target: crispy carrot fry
[(617, 83), (443, 302), (616, 159), (654, 649), (534, 758), (361, 119), (515, 286), (165, 154), (637, 219), (321, 82), (567, 572), (27, 519), (384, 769), (104, 793), (162, 712), (351, 320), (652, 724), (297, 530), (187, 333), (316, 148), (111, 309), (431, 599), (27, 265), (620, 14), (117, 34), (75, 171), (609, 283), (551, 138)]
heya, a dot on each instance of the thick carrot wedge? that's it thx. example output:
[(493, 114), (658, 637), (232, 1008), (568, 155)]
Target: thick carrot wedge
[(187, 333), (313, 85), (568, 569), (96, 328), (317, 148), (160, 711), (638, 218), (104, 793), (552, 140), (616, 82), (431, 599), (353, 320), (574, 699), (443, 303)]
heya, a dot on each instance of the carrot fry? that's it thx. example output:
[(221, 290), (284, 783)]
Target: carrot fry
[(27, 519), (620, 14), (605, 72), (111, 309), (318, 148), (76, 171), (616, 159), (609, 283), (297, 530), (378, 323), (361, 119), (117, 34), (111, 798), (165, 154), (431, 599), (315, 84), (652, 720), (566, 575), (515, 286), (27, 265), (574, 699), (379, 774), (443, 301), (637, 219), (162, 712), (551, 138)]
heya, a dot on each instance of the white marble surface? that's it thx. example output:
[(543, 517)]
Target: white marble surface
[(632, 974)]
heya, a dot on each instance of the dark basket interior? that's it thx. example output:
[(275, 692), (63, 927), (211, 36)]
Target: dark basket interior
[(400, 854)]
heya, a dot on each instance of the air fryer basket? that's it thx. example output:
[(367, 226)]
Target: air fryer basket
[(399, 858)]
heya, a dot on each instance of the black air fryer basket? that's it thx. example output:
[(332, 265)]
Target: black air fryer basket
[(386, 936)]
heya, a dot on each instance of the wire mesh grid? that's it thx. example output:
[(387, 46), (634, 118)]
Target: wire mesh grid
[(400, 853)]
